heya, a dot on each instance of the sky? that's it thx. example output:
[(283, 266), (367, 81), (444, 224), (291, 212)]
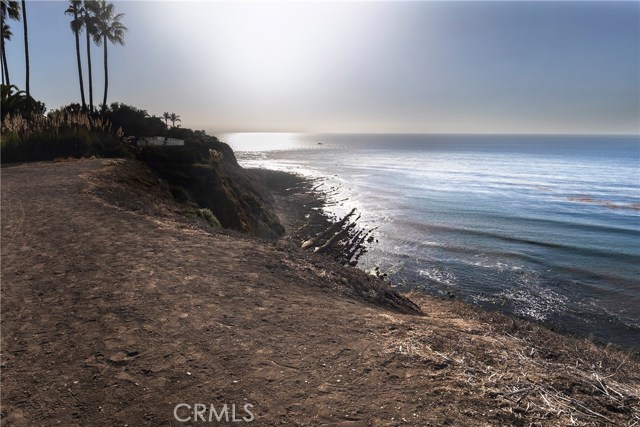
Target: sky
[(407, 67)]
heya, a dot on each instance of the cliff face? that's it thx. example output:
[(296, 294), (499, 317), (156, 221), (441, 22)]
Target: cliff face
[(206, 171)]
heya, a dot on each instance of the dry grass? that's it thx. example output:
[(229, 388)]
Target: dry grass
[(55, 122), (535, 377), (59, 135)]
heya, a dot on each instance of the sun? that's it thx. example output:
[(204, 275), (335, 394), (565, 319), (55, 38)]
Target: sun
[(264, 53)]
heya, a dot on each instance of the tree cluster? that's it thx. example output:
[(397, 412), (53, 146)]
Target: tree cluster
[(102, 25), (97, 19)]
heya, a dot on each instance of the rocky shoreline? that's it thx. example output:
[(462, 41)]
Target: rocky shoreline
[(299, 206), (118, 306)]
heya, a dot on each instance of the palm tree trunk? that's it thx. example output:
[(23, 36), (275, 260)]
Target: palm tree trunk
[(84, 104), (90, 77), (5, 67), (26, 44), (106, 74)]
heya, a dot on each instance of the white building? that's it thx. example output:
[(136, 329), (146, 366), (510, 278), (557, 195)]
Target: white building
[(160, 140)]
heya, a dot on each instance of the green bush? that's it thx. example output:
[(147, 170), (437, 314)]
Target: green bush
[(179, 193), (28, 135), (51, 145), (134, 121), (208, 216), (180, 133)]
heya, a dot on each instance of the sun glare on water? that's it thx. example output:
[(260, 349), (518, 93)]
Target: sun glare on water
[(260, 141)]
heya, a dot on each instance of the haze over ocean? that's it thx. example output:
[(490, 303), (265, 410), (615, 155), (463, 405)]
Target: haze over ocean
[(546, 227)]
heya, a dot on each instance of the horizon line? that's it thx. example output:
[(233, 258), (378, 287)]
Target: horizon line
[(433, 133)]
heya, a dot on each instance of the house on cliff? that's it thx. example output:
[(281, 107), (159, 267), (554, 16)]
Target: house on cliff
[(160, 141)]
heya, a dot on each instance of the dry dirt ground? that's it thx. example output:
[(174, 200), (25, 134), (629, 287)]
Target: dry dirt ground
[(115, 309)]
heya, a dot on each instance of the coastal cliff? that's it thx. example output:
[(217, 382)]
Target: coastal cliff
[(205, 171), (117, 308)]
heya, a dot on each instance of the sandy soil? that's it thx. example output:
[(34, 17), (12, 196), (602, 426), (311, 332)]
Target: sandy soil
[(115, 308)]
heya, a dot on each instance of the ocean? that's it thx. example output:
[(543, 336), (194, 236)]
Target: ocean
[(543, 227)]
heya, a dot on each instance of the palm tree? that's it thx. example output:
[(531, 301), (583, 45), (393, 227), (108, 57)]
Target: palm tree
[(26, 45), (12, 99), (108, 29), (174, 118), (89, 22), (8, 9), (75, 8), (16, 101), (6, 35), (166, 116)]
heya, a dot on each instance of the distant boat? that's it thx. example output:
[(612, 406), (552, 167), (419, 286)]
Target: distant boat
[(319, 143)]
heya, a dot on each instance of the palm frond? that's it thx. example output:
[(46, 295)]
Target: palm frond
[(10, 8)]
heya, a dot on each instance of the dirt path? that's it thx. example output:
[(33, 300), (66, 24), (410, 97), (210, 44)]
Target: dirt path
[(114, 315)]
